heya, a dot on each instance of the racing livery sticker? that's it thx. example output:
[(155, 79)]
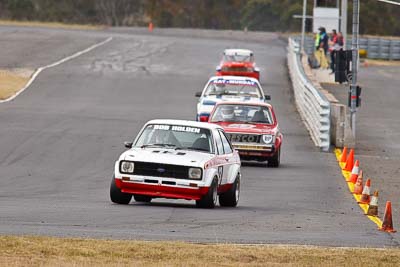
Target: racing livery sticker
[(176, 128), (234, 82)]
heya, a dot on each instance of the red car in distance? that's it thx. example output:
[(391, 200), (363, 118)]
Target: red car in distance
[(238, 62), (252, 129)]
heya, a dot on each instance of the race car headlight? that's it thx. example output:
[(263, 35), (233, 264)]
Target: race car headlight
[(267, 138), (195, 173), (127, 167)]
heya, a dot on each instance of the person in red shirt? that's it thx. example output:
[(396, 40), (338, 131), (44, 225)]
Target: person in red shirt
[(335, 44)]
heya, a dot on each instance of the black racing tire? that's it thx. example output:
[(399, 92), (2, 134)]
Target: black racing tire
[(209, 201), (231, 197), (117, 196), (141, 198), (275, 160)]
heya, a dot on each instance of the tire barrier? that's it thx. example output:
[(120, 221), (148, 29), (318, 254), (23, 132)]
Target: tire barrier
[(387, 48), (362, 195)]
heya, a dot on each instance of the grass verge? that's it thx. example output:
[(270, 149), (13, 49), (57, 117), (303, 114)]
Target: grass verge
[(11, 81), (50, 251), (58, 25)]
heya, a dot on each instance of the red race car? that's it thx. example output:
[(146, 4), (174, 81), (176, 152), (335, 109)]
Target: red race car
[(252, 129), (238, 62)]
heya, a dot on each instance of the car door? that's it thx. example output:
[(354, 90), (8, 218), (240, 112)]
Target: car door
[(227, 157), (220, 155)]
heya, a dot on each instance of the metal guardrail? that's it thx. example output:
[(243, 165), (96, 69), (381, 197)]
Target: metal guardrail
[(377, 48), (312, 105)]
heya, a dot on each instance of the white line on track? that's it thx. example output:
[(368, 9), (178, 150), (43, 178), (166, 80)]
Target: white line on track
[(39, 70)]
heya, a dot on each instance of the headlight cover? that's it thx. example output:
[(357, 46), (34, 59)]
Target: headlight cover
[(268, 138), (127, 167), (195, 173)]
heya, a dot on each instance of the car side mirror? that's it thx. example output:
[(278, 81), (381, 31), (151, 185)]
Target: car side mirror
[(218, 68), (128, 144), (267, 97), (197, 94)]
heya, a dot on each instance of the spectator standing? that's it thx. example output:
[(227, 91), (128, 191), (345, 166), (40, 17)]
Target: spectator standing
[(317, 39), (335, 44), (323, 42), (322, 48)]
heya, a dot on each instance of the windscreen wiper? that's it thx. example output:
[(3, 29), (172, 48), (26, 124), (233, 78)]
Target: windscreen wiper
[(158, 145), (192, 148)]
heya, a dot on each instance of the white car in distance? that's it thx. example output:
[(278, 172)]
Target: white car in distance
[(228, 88), (178, 159)]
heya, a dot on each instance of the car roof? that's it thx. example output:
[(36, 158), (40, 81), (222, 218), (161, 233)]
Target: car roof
[(198, 124), (238, 52), (263, 104), (238, 78)]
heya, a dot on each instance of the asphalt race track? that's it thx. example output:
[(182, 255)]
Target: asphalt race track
[(60, 138)]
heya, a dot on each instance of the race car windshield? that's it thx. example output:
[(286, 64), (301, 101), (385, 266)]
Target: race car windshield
[(176, 137), (234, 88), (242, 113), (238, 58)]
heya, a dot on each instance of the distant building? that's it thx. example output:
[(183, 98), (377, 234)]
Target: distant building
[(326, 14)]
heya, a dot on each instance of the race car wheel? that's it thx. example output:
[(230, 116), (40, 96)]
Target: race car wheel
[(275, 160), (231, 197), (209, 200), (117, 196), (141, 198)]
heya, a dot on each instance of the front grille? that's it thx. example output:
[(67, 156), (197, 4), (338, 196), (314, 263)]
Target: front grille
[(244, 138), (161, 170), (241, 69)]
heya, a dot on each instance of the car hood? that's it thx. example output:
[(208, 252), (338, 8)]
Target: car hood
[(236, 127), (167, 156)]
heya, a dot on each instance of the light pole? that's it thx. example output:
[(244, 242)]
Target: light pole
[(343, 21), (303, 26), (354, 66)]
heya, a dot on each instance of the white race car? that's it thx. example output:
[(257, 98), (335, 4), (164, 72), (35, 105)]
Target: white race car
[(179, 160), (228, 88)]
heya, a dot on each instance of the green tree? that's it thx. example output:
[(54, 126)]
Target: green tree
[(20, 9)]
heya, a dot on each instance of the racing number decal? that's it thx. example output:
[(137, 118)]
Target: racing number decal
[(220, 173)]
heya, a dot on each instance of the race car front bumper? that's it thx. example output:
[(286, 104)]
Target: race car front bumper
[(255, 150), (156, 188)]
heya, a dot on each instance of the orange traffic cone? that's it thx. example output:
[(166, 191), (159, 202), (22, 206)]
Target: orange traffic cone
[(373, 205), (350, 161), (343, 157), (150, 26), (354, 173), (358, 187), (365, 197), (387, 224)]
